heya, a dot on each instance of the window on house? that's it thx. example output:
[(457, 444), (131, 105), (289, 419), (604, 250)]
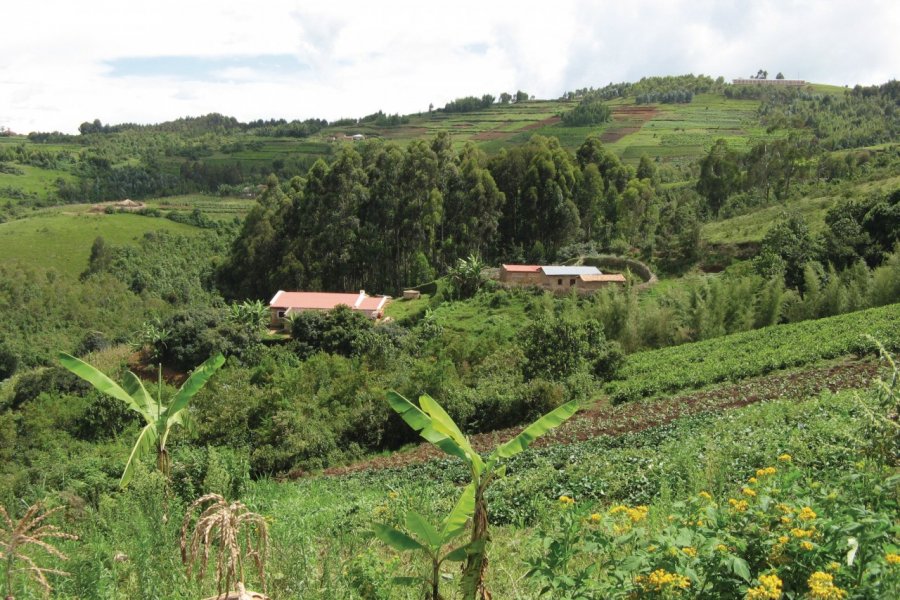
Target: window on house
[(571, 282), (559, 282), (280, 314)]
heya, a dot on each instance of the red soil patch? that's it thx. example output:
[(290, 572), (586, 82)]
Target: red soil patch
[(485, 136), (638, 416), (140, 366), (641, 114), (542, 123)]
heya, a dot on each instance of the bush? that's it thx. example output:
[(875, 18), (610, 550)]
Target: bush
[(196, 334), (556, 348), (49, 380), (338, 331), (8, 361)]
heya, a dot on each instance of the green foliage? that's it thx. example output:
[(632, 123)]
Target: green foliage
[(557, 348), (160, 417), (436, 426), (771, 537), (466, 277), (191, 335), (719, 175), (338, 331), (432, 540), (588, 112), (8, 361), (791, 241)]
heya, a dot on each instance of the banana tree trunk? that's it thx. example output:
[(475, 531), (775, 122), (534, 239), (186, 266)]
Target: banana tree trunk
[(477, 562)]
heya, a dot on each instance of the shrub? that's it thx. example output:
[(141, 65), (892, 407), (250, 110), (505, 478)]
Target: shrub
[(556, 348), (8, 361)]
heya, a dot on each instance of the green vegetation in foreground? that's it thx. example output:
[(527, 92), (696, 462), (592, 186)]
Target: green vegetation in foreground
[(750, 353), (321, 545), (62, 239)]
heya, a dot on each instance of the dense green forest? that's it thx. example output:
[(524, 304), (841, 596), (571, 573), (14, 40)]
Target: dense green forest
[(744, 393)]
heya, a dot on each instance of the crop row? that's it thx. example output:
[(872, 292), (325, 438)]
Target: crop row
[(755, 353)]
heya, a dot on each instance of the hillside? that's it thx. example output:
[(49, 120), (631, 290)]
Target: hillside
[(726, 432)]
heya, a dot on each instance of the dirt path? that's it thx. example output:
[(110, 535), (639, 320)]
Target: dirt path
[(637, 416)]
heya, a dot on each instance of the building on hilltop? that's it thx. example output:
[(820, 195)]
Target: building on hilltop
[(283, 304), (778, 82), (558, 277)]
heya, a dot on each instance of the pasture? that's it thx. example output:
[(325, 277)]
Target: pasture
[(62, 239)]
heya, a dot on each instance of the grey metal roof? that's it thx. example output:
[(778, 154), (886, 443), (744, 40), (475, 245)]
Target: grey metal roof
[(555, 271)]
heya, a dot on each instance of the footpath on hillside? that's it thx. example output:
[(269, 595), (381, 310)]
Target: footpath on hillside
[(605, 420)]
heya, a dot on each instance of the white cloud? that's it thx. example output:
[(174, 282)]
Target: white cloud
[(398, 56)]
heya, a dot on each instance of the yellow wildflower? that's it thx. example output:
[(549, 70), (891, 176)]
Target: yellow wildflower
[(738, 505), (783, 539), (651, 548), (785, 458), (753, 480), (690, 551), (638, 513), (705, 495), (661, 580), (784, 508), (786, 520), (721, 548), (801, 533), (892, 558), (379, 510), (806, 514), (595, 518), (748, 492), (618, 509), (766, 471), (393, 495), (834, 566), (566, 500), (821, 587), (806, 545), (769, 588)]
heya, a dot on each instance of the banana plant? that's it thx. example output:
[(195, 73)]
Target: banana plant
[(436, 426), (432, 540), (159, 418)]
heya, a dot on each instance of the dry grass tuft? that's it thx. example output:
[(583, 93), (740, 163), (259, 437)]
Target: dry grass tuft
[(231, 529), (18, 540)]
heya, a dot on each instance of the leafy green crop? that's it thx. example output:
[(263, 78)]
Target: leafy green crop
[(756, 352)]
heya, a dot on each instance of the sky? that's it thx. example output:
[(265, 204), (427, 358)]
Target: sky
[(64, 62)]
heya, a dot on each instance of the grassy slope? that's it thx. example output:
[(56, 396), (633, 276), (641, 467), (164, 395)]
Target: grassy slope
[(753, 226), (62, 239), (34, 181)]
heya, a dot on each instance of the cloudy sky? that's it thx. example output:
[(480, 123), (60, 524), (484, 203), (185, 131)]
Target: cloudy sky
[(65, 62)]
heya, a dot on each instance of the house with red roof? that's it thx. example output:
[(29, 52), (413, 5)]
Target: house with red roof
[(559, 277), (283, 304)]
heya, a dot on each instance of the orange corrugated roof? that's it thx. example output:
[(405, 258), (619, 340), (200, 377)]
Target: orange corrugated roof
[(612, 277), (522, 268)]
